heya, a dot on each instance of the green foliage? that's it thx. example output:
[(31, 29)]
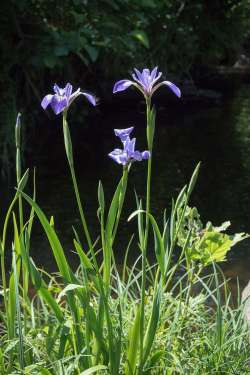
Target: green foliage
[(206, 244), (74, 325)]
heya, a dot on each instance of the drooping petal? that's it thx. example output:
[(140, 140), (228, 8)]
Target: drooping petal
[(124, 158), (91, 98), (119, 156), (173, 87), (46, 101), (74, 95), (137, 155), (145, 155), (123, 134), (58, 103), (122, 85)]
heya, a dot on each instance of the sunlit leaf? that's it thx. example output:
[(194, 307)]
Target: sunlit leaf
[(142, 37)]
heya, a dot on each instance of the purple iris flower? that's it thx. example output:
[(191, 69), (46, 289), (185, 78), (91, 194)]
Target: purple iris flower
[(146, 82), (63, 97), (128, 154)]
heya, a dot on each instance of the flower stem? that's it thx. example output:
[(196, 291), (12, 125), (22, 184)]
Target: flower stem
[(69, 153), (150, 137), (121, 200)]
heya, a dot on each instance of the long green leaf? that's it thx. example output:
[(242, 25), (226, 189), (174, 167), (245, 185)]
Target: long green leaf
[(133, 344), (53, 240), (94, 369), (152, 324), (113, 210)]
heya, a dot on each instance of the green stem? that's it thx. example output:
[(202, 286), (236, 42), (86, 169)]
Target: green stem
[(107, 243), (121, 201), (69, 153), (150, 136)]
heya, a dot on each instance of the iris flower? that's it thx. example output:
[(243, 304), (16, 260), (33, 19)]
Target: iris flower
[(63, 97), (128, 154), (146, 82)]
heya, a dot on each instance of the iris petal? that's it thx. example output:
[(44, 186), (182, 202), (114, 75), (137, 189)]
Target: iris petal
[(58, 90), (90, 98), (68, 90), (145, 155), (119, 156), (58, 103), (137, 155), (129, 146), (138, 74), (123, 134), (46, 101), (172, 87), (154, 72), (122, 85)]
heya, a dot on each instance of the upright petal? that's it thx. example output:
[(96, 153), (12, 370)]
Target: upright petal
[(68, 90), (137, 75), (173, 87), (91, 98), (46, 101), (122, 85), (129, 146), (58, 90), (154, 73)]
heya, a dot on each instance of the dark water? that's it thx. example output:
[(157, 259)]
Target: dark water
[(218, 135)]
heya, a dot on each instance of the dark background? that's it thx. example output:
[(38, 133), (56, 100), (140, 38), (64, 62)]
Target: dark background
[(92, 43)]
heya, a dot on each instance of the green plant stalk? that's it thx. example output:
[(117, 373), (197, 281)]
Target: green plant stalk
[(69, 153), (18, 312), (150, 138), (121, 201), (120, 207), (3, 271)]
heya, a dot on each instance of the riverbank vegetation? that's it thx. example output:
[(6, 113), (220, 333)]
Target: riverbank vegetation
[(172, 316)]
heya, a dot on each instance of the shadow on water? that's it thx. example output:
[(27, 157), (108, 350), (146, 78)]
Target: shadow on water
[(218, 136)]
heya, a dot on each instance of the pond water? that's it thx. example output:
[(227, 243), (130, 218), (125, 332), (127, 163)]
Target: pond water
[(218, 135)]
